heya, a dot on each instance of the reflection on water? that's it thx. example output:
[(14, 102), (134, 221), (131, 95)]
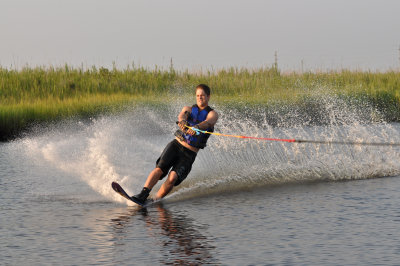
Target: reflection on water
[(177, 237)]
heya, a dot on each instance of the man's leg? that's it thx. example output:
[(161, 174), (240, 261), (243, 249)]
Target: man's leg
[(168, 185), (153, 178), (183, 165)]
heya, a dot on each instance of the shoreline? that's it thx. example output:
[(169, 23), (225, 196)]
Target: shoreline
[(33, 96)]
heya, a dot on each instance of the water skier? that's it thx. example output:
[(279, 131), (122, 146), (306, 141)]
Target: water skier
[(180, 153)]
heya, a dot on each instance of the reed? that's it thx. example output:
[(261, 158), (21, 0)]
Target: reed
[(41, 94)]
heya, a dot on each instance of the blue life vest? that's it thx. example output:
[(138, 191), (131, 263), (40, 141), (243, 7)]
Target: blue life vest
[(196, 117)]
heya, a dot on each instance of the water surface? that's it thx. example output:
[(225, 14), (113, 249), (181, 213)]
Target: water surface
[(245, 202)]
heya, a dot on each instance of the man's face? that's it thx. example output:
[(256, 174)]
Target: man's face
[(201, 98)]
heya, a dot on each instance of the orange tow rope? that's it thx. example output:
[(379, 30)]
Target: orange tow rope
[(198, 131)]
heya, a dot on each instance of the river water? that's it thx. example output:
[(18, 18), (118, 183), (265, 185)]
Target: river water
[(246, 202)]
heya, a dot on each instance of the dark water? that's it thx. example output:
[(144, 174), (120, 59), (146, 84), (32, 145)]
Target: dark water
[(245, 202)]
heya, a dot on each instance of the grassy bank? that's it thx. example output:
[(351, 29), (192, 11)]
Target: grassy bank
[(33, 95)]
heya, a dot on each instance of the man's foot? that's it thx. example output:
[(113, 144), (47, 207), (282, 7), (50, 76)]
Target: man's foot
[(138, 200), (142, 196)]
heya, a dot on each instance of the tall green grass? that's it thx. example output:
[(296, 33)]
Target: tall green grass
[(42, 94)]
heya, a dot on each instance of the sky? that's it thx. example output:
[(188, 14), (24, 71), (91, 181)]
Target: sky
[(208, 34)]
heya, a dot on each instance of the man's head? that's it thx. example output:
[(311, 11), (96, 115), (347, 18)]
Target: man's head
[(202, 95), (205, 88)]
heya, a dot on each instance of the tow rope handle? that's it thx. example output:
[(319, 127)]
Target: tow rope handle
[(198, 131)]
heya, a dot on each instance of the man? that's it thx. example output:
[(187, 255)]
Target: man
[(180, 153)]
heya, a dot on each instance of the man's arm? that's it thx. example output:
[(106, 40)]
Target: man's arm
[(183, 116), (210, 121)]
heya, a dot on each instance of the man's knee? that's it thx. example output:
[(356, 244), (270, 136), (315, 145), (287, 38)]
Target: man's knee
[(159, 171), (172, 178)]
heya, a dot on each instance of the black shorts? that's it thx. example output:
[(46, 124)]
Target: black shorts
[(177, 157)]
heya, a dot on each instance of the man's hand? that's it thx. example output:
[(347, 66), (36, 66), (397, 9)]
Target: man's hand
[(183, 125), (191, 131)]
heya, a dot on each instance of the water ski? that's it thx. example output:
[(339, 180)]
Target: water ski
[(117, 188)]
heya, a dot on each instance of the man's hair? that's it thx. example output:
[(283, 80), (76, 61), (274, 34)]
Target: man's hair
[(205, 88)]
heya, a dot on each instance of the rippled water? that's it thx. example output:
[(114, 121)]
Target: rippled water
[(245, 202)]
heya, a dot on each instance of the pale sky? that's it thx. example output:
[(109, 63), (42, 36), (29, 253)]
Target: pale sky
[(323, 34)]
